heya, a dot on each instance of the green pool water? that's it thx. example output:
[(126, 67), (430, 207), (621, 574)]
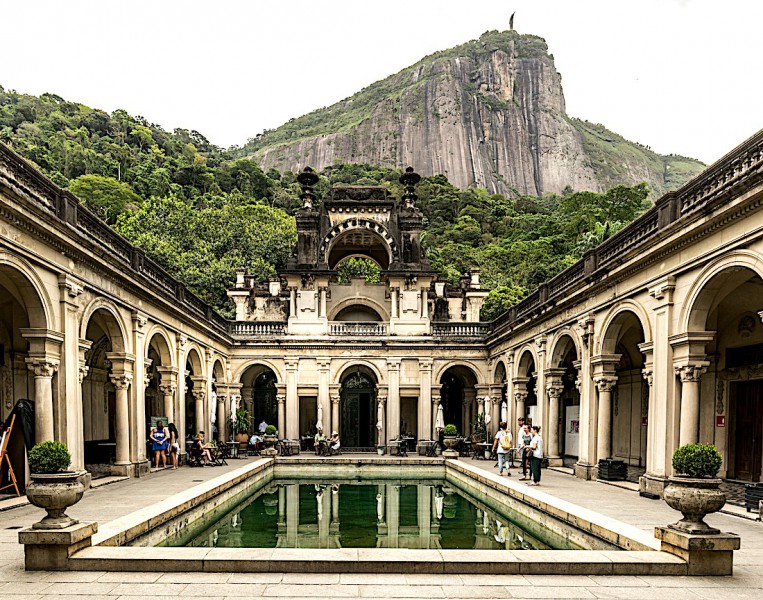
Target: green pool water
[(361, 514)]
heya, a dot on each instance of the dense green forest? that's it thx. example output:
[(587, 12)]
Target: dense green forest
[(201, 211)]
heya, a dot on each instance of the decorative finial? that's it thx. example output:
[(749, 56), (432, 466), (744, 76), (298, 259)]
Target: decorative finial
[(409, 179), (307, 179)]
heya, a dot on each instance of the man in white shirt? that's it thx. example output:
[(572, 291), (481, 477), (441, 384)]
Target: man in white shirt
[(502, 442), (263, 426)]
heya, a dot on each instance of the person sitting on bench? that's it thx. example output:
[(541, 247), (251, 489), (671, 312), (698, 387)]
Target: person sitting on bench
[(334, 442)]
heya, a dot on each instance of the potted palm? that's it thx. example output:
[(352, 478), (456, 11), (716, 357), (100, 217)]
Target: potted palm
[(242, 424), (694, 490), (53, 487)]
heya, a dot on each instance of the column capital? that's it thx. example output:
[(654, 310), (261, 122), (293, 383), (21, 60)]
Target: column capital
[(425, 364), (393, 364), (382, 398), (281, 398), (182, 340), (291, 364), (520, 396), (167, 388), (222, 398), (436, 399), (42, 367), (121, 381), (554, 391), (605, 383), (662, 290), (334, 398), (323, 363), (693, 371), (139, 320)]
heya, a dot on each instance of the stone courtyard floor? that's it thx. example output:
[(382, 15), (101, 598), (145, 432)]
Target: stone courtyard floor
[(108, 502)]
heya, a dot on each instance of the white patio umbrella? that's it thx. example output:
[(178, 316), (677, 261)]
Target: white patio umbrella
[(488, 418), (439, 423), (213, 407), (504, 412), (485, 523), (319, 423), (379, 508), (379, 416), (319, 499), (501, 532), (439, 501)]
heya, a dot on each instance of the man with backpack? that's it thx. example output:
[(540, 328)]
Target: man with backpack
[(502, 443)]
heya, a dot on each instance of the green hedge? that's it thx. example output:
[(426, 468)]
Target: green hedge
[(49, 457), (697, 460)]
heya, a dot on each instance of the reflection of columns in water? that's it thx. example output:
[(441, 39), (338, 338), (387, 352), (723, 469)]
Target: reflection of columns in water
[(335, 512), (424, 514), (323, 499), (292, 515), (393, 516)]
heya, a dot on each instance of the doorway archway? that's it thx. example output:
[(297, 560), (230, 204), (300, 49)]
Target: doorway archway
[(357, 408)]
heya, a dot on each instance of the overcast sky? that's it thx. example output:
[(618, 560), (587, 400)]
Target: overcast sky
[(681, 76)]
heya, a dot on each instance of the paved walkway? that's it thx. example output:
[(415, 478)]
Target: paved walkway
[(114, 500)]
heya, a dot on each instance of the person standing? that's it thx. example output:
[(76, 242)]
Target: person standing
[(502, 442), (263, 426), (174, 444), (523, 445), (520, 429), (159, 441), (536, 444)]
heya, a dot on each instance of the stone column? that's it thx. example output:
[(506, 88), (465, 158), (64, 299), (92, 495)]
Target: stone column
[(604, 384), (121, 384), (393, 398), (425, 398), (554, 389), (141, 377), (78, 457), (324, 401), (281, 399), (335, 421), (520, 395), (495, 414), (690, 375), (69, 426), (292, 399), (43, 371), (393, 296), (540, 383), (199, 395), (168, 386), (222, 401), (179, 402)]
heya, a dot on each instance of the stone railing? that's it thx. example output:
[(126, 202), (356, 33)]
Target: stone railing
[(24, 181), (739, 170), (460, 330), (239, 329), (362, 328)]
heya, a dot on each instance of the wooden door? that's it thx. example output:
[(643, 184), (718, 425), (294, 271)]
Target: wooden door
[(748, 430)]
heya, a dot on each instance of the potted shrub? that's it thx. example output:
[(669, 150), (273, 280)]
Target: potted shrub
[(242, 424), (450, 440), (694, 490), (53, 487)]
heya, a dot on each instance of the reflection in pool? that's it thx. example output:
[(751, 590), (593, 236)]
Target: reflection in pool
[(362, 514)]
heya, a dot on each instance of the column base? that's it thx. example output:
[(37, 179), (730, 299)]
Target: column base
[(652, 485), (555, 461), (704, 554), (141, 468), (122, 469), (584, 471)]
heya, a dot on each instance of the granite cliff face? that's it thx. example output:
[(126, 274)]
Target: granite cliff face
[(489, 113)]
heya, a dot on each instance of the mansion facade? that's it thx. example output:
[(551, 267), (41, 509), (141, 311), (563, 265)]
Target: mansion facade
[(652, 340)]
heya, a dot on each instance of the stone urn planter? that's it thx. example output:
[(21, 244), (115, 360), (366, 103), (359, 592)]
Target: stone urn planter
[(694, 498), (450, 441), (55, 492), (695, 492), (269, 439)]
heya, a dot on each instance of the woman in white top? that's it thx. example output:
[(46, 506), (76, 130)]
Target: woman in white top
[(502, 442), (537, 447)]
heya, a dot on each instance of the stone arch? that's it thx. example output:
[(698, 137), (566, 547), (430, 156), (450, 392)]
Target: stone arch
[(237, 376), (362, 301), (527, 357), (479, 376), (359, 384), (384, 252), (561, 343), (726, 272), (218, 370), (608, 341), (29, 291), (500, 371), (194, 355), (349, 364), (116, 328), (164, 348)]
